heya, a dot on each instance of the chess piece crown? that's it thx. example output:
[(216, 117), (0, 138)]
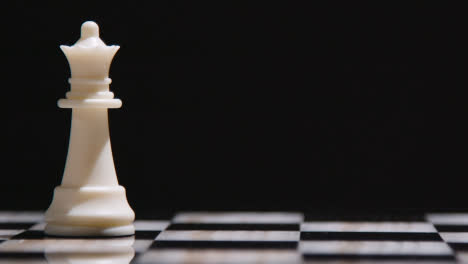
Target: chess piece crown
[(89, 61)]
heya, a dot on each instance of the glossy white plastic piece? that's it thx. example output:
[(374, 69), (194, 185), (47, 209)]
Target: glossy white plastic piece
[(90, 201)]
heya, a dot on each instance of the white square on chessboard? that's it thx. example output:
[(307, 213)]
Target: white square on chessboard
[(448, 218), (38, 227), (140, 225), (420, 227), (22, 217), (112, 245), (142, 245), (14, 260), (379, 261), (220, 256), (375, 247), (202, 235), (7, 233), (150, 225), (462, 256), (239, 218), (454, 237)]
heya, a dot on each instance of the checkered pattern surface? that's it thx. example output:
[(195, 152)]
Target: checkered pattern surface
[(247, 237)]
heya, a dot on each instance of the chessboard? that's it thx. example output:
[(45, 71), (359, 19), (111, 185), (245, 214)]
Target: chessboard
[(248, 237)]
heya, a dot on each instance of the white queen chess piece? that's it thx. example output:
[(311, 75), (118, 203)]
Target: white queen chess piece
[(89, 201)]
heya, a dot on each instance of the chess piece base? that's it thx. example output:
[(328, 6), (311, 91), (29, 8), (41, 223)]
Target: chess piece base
[(90, 211)]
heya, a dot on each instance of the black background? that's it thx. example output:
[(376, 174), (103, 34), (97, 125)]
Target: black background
[(249, 105)]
